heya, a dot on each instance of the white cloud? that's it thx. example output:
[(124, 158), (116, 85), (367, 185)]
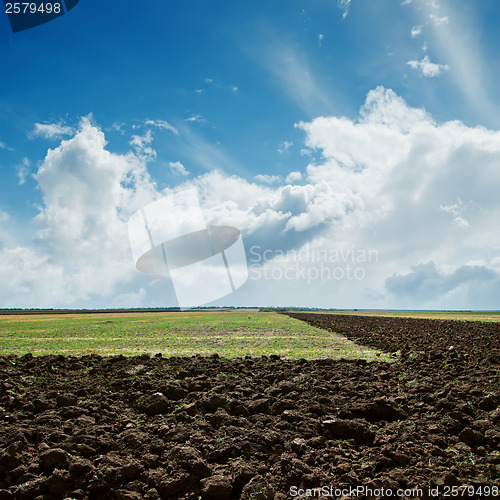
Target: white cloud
[(4, 216), (234, 88), (451, 29), (416, 30), (402, 174), (118, 127), (459, 211), (267, 179), (33, 280), (163, 125), (195, 119), (81, 249), (438, 21), (3, 145), (293, 177), (284, 146), (51, 130), (344, 7), (142, 146), (178, 168), (390, 180), (23, 169), (199, 91), (427, 68)]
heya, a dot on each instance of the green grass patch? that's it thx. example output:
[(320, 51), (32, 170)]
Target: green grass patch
[(228, 333)]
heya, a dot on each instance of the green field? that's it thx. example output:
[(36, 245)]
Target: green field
[(228, 333)]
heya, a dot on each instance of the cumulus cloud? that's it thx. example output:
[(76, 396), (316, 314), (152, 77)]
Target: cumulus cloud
[(403, 174), (81, 248), (142, 145), (177, 167), (391, 181), (267, 179), (427, 68), (51, 130), (293, 177)]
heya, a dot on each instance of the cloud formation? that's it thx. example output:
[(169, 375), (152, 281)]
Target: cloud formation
[(427, 68), (177, 167), (293, 177), (267, 179), (23, 169), (142, 145), (81, 248), (426, 284), (344, 7), (420, 195), (403, 174), (51, 130), (416, 30), (284, 146), (438, 21), (163, 125)]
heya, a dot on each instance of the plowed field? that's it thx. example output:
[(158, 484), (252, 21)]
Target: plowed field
[(151, 427)]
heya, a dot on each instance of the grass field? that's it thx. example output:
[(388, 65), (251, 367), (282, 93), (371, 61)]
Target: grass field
[(228, 333)]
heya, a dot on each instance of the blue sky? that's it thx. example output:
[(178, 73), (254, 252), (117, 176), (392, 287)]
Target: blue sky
[(321, 126)]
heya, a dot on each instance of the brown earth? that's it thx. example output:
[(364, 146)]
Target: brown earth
[(259, 428)]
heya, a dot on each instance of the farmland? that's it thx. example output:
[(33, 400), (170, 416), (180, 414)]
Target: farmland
[(451, 315), (227, 333), (247, 416)]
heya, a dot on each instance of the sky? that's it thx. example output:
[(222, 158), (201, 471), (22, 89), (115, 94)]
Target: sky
[(354, 143)]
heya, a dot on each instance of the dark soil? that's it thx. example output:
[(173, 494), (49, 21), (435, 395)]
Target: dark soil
[(259, 428)]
